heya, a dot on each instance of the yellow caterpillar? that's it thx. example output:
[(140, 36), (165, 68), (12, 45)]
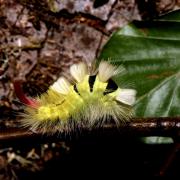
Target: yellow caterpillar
[(65, 105)]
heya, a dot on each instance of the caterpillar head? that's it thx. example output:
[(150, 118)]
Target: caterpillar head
[(88, 102)]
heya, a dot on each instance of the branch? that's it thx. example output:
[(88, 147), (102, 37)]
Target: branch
[(138, 127)]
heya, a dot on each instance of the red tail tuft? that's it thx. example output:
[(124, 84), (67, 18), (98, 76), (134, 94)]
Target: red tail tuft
[(22, 97)]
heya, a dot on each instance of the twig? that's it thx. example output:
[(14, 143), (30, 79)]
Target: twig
[(169, 160), (138, 127)]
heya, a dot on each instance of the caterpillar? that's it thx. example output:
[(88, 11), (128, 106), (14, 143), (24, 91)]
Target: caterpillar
[(87, 102)]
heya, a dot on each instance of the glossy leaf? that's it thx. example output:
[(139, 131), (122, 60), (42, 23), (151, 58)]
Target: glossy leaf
[(157, 140), (150, 51)]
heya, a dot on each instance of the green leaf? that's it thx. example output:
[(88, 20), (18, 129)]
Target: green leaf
[(157, 140), (150, 51)]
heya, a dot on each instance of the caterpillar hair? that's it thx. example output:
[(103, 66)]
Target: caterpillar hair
[(88, 102)]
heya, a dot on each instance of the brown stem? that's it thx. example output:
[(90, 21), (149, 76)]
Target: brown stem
[(138, 127), (169, 159)]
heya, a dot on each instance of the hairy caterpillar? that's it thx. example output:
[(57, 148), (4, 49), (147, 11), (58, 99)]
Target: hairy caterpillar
[(66, 105)]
